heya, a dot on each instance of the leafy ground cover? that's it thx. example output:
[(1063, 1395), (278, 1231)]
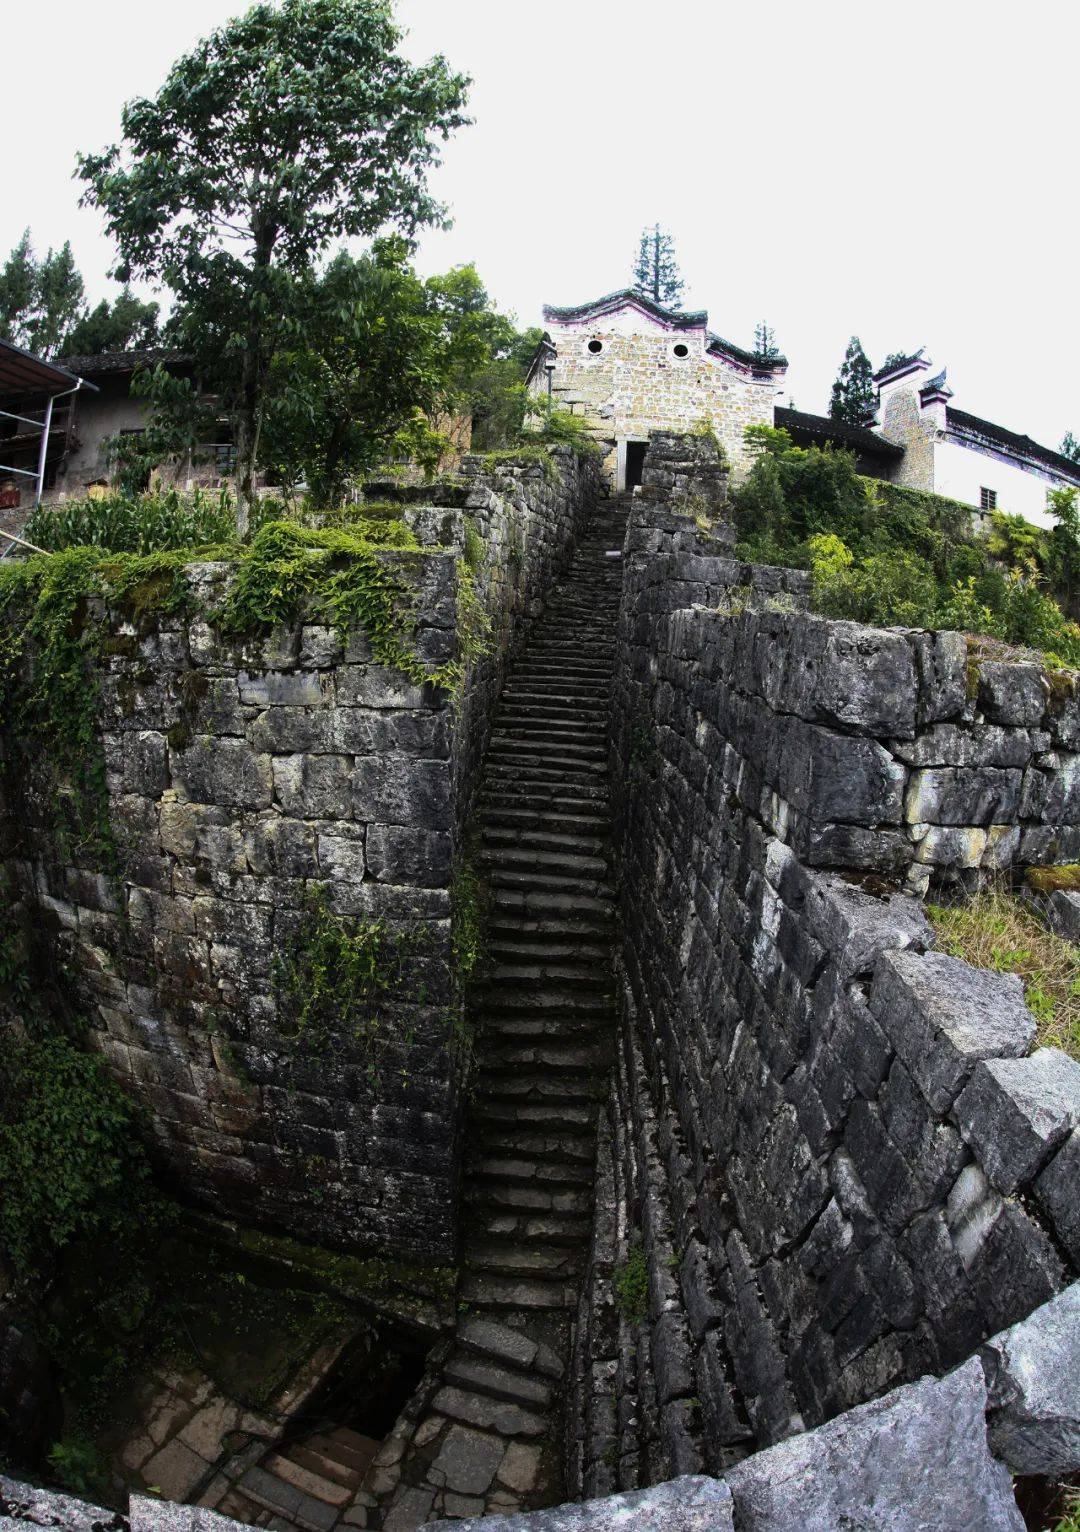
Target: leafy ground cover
[(890, 556)]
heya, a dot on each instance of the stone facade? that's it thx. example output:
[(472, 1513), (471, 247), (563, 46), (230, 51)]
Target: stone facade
[(631, 368), (827, 1149), (241, 777)]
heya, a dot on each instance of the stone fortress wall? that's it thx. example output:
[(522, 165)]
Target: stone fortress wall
[(827, 1146), (830, 1164), (244, 776)]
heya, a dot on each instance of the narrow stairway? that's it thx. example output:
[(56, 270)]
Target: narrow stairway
[(489, 1440)]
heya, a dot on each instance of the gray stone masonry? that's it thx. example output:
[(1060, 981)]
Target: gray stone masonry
[(241, 777), (829, 1148)]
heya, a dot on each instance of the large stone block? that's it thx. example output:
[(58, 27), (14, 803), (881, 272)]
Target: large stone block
[(223, 772), (942, 1016), (1015, 1112), (689, 1504), (1033, 1388), (916, 1459)]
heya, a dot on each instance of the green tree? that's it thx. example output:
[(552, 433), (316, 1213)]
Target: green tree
[(853, 395), (656, 271), (765, 346), (1070, 447), (893, 359), (385, 358), (40, 301), (287, 129), (125, 324)]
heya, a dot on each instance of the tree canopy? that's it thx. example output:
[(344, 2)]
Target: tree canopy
[(765, 345), (854, 397), (1070, 447), (656, 271), (125, 323), (40, 300), (290, 128)]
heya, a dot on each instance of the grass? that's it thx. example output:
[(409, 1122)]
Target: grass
[(996, 930)]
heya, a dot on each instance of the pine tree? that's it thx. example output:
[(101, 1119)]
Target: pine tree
[(39, 300), (124, 324), (656, 274), (854, 397), (765, 347), (1070, 447)]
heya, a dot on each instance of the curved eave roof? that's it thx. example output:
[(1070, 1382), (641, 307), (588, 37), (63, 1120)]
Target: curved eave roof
[(672, 319), (984, 433)]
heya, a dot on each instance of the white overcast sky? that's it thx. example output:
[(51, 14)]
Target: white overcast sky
[(904, 172)]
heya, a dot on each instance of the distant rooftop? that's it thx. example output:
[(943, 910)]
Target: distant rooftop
[(971, 426), (123, 361), (838, 432)]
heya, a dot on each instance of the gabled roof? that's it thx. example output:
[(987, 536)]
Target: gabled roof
[(626, 297), (967, 427), (672, 319), (822, 428), (121, 362)]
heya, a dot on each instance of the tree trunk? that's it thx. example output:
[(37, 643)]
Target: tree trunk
[(252, 380)]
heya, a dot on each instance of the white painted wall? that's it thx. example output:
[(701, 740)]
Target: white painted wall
[(960, 472)]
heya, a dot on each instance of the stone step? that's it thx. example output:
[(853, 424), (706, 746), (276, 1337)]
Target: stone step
[(514, 924), (544, 705), (513, 997), (511, 1295), (560, 1118), (500, 879), (571, 842), (569, 804), (507, 765), (513, 819), (559, 904), (495, 1030), (543, 978), (541, 1228), (339, 1464), (557, 859), (517, 1258), (284, 1499), (489, 1414), (550, 957), (549, 731), (553, 1148), (283, 1466), (517, 1085), (565, 747), (489, 1198), (479, 1376), (525, 1169), (485, 1337)]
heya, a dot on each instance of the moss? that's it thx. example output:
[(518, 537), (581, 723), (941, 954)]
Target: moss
[(631, 1284), (423, 1293), (1062, 687), (524, 457), (1050, 880), (120, 646)]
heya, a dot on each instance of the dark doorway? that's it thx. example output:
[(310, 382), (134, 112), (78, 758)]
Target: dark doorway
[(635, 462)]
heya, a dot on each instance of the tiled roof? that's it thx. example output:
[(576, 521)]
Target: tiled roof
[(822, 428), (967, 426), (123, 361), (899, 365)]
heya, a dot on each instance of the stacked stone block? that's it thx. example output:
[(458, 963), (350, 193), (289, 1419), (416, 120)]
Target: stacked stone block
[(244, 776), (842, 1164)]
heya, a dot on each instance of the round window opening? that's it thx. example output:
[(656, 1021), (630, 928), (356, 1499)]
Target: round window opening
[(595, 346), (681, 349)]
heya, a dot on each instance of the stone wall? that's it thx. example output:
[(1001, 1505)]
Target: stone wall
[(830, 1163), (243, 777)]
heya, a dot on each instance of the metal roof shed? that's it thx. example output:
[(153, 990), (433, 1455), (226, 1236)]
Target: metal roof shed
[(21, 374)]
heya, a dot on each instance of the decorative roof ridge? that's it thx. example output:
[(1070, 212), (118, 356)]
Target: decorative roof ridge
[(913, 363), (693, 320), (937, 387)]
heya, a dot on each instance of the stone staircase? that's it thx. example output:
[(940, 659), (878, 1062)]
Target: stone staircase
[(310, 1483), (488, 1438)]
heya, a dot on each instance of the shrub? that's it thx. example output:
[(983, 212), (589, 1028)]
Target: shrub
[(156, 522), (631, 1284)]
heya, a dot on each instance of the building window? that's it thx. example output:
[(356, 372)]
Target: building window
[(596, 346), (987, 499), (681, 349)]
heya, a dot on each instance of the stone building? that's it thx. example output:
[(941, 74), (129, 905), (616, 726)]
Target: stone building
[(632, 367), (956, 454)]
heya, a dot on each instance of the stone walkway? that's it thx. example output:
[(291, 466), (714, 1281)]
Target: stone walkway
[(488, 1436)]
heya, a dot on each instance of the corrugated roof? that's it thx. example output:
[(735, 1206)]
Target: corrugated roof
[(23, 373)]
